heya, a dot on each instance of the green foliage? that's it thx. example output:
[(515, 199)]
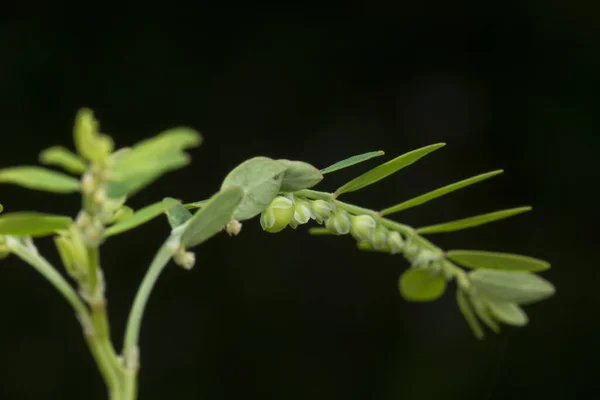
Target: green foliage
[(32, 224), (299, 175), (434, 194), (350, 161), (89, 142), (61, 157), (494, 260), (386, 169), (467, 311), (140, 217), (472, 221), (509, 313), (511, 286), (38, 178), (177, 214), (421, 285)]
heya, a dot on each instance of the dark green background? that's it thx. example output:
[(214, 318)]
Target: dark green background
[(291, 316)]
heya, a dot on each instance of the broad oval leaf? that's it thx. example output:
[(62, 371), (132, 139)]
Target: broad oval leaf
[(39, 178), (32, 224), (150, 159), (299, 175), (140, 217), (177, 214), (467, 312), (511, 286), (211, 218), (424, 198), (495, 260), (63, 158), (420, 285), (384, 170), (508, 313), (260, 179), (348, 162), (472, 221)]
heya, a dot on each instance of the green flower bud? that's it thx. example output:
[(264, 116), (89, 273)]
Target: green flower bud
[(395, 242), (277, 215), (362, 227), (302, 212), (338, 223), (379, 238), (185, 259), (4, 250), (321, 210)]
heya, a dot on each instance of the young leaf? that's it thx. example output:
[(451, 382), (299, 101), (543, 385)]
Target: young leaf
[(32, 224), (468, 314), (150, 159), (63, 158), (418, 284), (483, 313), (211, 219), (260, 179), (509, 313), (472, 221), (424, 198), (140, 217), (515, 287), (177, 214), (351, 161), (38, 178), (494, 260), (299, 175), (384, 170), (89, 143)]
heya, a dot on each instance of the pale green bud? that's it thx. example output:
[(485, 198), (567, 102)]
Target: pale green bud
[(4, 250), (233, 227), (379, 238), (362, 227), (185, 259), (338, 223), (395, 242), (321, 210), (302, 211), (277, 215)]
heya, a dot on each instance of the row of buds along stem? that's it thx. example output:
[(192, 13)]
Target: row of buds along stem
[(293, 211)]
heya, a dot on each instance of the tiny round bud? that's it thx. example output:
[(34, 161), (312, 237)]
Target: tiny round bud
[(277, 215), (338, 223), (362, 227), (302, 211), (395, 242), (4, 251), (100, 196), (185, 259), (233, 227), (379, 238), (87, 184), (321, 210)]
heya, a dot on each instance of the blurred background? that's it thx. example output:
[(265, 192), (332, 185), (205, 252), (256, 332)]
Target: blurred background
[(290, 316)]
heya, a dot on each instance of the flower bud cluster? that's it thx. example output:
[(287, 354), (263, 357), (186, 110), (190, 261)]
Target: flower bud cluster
[(293, 211)]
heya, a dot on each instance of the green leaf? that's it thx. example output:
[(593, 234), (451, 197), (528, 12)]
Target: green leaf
[(1, 208), (89, 143), (177, 214), (319, 231), (483, 313), (299, 175), (32, 224), (150, 159), (384, 170), (468, 314), (196, 204), (212, 218), (38, 178), (420, 285), (511, 286), (63, 158), (260, 179), (424, 198), (509, 313), (494, 260), (351, 161), (472, 221), (140, 217)]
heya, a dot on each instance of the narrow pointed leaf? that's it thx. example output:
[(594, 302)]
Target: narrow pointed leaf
[(483, 313), (177, 214), (494, 260), (348, 162), (419, 285), (298, 176), (32, 224), (211, 219), (38, 178), (516, 287), (468, 314), (196, 204), (424, 198), (61, 157), (472, 221), (319, 231), (384, 170), (140, 217), (260, 179), (508, 313), (1, 208)]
